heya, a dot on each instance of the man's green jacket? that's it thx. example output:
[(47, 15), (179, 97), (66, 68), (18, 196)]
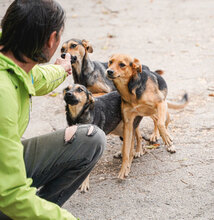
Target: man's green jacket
[(18, 199)]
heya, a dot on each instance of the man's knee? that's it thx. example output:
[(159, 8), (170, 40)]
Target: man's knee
[(90, 139), (96, 139)]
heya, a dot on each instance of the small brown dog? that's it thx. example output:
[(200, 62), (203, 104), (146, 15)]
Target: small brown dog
[(143, 93)]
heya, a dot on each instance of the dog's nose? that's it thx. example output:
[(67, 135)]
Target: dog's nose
[(63, 55), (69, 94), (110, 72)]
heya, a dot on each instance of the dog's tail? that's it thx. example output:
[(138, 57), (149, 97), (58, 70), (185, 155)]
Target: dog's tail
[(160, 72), (179, 105)]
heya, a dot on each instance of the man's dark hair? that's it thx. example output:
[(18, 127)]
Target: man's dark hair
[(27, 26)]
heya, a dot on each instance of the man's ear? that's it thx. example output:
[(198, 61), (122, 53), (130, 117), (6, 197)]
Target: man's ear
[(87, 46), (52, 39), (136, 65)]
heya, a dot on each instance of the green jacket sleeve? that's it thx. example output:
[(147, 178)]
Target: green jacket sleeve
[(47, 77), (17, 199)]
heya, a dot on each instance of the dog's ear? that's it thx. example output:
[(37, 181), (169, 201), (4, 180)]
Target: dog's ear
[(87, 46), (91, 100), (136, 66)]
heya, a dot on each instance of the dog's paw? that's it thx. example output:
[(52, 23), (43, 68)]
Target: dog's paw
[(140, 153), (154, 138), (167, 139), (85, 186), (171, 149), (137, 154), (124, 172), (118, 155)]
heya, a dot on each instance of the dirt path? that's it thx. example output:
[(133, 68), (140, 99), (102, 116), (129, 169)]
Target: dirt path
[(178, 37)]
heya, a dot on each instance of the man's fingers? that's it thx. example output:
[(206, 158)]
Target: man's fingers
[(68, 56), (65, 63)]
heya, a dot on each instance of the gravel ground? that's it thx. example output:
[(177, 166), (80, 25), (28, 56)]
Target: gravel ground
[(175, 36)]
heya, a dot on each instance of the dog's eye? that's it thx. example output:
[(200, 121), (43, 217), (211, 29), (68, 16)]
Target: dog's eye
[(110, 62), (62, 50), (121, 64), (79, 89), (73, 45)]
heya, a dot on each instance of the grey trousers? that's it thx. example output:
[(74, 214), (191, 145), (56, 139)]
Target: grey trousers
[(58, 167)]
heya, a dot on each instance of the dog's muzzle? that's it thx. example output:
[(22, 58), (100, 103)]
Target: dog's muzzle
[(110, 74), (73, 58), (70, 98)]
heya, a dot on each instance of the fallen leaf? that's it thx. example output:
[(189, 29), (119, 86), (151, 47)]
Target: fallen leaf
[(153, 146), (54, 94), (211, 94)]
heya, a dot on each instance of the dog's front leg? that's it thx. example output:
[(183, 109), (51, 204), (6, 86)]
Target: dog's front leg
[(127, 146)]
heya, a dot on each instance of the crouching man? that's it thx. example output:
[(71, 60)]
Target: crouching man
[(55, 163)]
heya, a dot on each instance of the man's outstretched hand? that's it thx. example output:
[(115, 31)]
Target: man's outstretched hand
[(65, 63)]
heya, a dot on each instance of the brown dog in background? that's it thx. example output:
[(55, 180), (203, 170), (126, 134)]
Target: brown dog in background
[(143, 93), (91, 74)]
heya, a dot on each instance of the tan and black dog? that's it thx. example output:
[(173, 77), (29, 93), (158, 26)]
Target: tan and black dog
[(143, 93), (103, 111), (91, 74)]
